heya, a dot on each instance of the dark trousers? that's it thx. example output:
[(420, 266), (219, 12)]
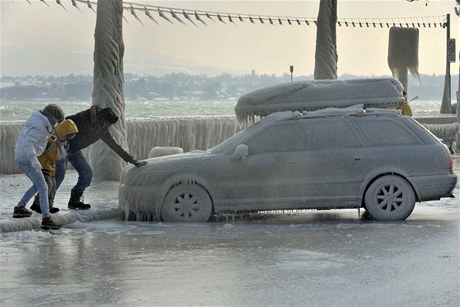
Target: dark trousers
[(51, 182), (85, 173)]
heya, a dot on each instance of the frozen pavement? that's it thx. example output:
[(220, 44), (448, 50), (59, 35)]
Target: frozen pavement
[(310, 258), (103, 195)]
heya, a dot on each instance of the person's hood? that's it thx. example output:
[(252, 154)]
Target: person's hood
[(38, 118), (65, 128)]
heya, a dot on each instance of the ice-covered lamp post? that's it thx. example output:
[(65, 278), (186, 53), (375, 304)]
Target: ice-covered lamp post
[(457, 140), (446, 106)]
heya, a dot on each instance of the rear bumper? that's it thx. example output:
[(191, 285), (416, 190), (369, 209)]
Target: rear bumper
[(434, 187)]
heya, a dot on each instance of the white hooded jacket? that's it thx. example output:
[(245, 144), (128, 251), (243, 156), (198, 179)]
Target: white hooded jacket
[(33, 138)]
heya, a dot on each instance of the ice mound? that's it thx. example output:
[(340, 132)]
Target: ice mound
[(64, 217), (158, 151)]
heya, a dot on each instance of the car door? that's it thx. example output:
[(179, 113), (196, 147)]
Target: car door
[(272, 175), (332, 170)]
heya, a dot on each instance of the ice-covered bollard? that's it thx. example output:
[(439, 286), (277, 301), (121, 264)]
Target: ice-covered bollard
[(158, 151), (457, 144), (457, 139)]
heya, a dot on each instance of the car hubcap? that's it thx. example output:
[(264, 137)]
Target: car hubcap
[(390, 198), (186, 205)]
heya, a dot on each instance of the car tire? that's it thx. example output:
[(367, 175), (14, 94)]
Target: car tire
[(390, 198), (187, 203)]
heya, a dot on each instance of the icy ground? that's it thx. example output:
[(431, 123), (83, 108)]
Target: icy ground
[(310, 258)]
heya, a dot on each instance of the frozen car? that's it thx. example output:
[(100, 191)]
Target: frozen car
[(374, 159)]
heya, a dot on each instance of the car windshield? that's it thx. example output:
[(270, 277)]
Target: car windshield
[(230, 144)]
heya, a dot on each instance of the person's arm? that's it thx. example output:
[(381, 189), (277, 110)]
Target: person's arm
[(28, 145), (109, 140)]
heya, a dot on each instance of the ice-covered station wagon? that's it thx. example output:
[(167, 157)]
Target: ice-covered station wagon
[(353, 157)]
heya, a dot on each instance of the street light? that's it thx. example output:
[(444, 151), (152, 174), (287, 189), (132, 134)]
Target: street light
[(291, 69)]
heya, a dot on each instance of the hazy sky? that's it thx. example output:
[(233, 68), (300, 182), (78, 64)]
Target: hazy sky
[(48, 40)]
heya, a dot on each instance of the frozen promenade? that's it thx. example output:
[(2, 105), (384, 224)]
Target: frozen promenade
[(312, 258), (102, 194)]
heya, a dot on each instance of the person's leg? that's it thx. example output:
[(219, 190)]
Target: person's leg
[(36, 204), (39, 182), (85, 176), (20, 211), (27, 168), (61, 167), (48, 222), (51, 186), (27, 195), (51, 181)]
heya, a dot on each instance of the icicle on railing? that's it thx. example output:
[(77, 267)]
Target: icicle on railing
[(261, 19)]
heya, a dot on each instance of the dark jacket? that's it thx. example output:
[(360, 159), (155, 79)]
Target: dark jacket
[(90, 130)]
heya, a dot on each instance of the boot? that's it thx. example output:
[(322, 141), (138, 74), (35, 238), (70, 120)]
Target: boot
[(36, 207), (77, 204), (20, 212), (49, 223)]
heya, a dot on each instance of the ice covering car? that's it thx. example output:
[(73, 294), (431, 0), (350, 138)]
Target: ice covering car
[(374, 159), (312, 95)]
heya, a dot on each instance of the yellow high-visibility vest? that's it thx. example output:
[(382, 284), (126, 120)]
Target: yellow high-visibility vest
[(404, 108)]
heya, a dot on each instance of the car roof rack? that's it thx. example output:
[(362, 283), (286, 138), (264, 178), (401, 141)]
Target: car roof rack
[(353, 110), (356, 110)]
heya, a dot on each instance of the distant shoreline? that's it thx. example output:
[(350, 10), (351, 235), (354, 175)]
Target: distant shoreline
[(12, 110)]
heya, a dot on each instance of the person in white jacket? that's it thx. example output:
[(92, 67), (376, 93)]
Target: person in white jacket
[(31, 143)]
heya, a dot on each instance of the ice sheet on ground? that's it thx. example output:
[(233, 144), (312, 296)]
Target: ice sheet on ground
[(101, 194), (267, 261)]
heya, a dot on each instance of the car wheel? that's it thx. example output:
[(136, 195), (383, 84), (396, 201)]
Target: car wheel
[(390, 198), (186, 203)]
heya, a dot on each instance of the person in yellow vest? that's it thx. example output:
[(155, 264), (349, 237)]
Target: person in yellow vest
[(55, 150), (405, 109)]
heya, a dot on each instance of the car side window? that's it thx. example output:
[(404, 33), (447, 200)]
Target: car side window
[(332, 133), (280, 137), (382, 132)]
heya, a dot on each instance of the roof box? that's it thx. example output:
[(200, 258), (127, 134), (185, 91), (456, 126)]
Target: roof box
[(313, 95)]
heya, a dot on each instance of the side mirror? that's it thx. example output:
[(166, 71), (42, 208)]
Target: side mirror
[(241, 152)]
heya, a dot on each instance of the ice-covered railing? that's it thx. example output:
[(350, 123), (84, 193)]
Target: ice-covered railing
[(9, 132), (446, 132), (189, 133), (314, 95)]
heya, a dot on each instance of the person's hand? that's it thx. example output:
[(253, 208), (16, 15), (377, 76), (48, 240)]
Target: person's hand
[(138, 163), (36, 165)]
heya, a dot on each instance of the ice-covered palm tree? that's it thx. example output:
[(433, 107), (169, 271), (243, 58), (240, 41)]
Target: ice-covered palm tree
[(108, 85), (403, 53)]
